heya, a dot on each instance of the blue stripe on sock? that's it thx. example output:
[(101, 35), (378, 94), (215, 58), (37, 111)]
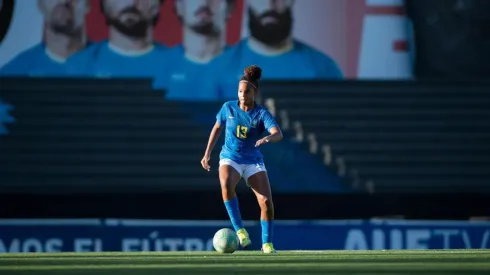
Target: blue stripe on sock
[(234, 213), (266, 231)]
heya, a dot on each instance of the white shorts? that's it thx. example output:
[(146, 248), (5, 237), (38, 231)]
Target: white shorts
[(245, 170)]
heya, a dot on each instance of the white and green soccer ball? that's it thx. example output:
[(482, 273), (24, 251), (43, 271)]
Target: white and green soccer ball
[(225, 241)]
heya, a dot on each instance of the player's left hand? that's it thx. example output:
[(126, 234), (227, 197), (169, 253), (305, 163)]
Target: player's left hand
[(261, 141)]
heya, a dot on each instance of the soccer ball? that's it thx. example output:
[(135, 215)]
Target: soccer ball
[(225, 241)]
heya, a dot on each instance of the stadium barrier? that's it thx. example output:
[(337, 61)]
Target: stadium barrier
[(81, 235)]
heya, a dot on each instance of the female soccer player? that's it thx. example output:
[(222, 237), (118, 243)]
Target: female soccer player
[(244, 122)]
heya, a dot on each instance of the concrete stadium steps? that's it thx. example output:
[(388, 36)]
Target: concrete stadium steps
[(99, 137), (419, 148), (402, 137), (39, 184)]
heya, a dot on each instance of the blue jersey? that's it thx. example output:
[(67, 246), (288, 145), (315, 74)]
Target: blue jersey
[(100, 60), (5, 117), (242, 130), (190, 80), (34, 62), (302, 62)]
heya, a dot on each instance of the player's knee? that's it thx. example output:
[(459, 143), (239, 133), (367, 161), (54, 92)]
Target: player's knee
[(265, 203), (227, 184)]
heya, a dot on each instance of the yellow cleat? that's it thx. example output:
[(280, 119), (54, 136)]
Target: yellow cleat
[(243, 237), (268, 248)]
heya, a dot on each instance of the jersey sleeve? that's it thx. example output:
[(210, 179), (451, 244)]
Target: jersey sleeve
[(221, 116), (19, 65), (327, 68), (269, 121)]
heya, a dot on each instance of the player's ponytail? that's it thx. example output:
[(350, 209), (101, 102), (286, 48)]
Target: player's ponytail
[(252, 74)]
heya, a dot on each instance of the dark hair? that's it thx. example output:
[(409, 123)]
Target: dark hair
[(252, 74)]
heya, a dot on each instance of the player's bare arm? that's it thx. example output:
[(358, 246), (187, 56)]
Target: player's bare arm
[(275, 136), (213, 138)]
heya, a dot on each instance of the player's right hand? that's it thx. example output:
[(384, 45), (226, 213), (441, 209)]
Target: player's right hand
[(205, 163)]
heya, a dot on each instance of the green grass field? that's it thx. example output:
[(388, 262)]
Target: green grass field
[(285, 262)]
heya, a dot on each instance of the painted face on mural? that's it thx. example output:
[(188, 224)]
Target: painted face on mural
[(131, 17), (65, 16), (270, 21), (207, 17)]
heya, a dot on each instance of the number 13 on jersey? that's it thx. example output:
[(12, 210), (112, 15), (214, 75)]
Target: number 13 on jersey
[(241, 131)]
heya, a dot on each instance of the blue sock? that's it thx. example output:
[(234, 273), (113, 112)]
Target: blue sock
[(234, 213), (266, 231)]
